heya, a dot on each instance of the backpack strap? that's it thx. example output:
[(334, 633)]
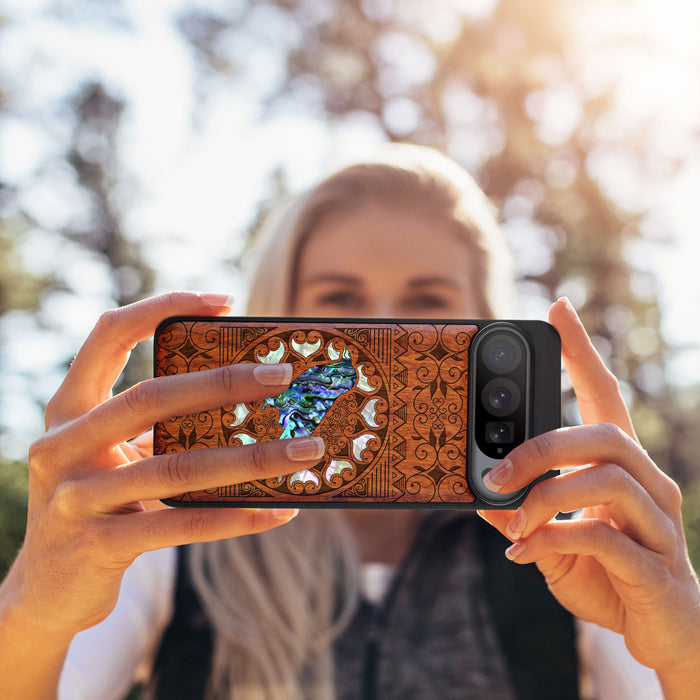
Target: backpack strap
[(536, 633)]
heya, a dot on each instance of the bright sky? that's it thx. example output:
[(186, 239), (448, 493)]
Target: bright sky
[(195, 188)]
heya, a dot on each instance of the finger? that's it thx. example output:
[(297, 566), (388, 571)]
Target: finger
[(140, 407), (131, 452), (156, 529), (138, 448), (579, 445), (143, 444), (105, 352), (614, 550), (193, 470), (608, 486), (596, 388), (497, 518)]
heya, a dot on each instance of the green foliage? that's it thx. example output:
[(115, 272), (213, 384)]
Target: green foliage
[(691, 521), (18, 289), (14, 483)]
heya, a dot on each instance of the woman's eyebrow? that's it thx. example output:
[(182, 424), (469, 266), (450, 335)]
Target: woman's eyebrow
[(433, 281), (332, 277)]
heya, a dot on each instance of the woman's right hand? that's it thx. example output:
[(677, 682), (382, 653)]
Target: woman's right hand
[(87, 517)]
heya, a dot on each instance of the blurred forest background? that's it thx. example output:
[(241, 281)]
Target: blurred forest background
[(580, 119)]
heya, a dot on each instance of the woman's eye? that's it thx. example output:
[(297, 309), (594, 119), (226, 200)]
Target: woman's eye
[(426, 302), (341, 299)]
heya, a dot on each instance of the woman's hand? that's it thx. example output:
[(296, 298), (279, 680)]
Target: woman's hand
[(623, 564), (87, 518)]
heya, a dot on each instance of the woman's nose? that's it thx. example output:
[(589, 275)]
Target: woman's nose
[(382, 308)]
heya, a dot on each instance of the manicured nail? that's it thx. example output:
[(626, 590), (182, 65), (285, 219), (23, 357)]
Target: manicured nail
[(218, 300), (273, 375), (569, 306), (499, 476), (285, 514), (305, 449), (516, 525), (515, 550)]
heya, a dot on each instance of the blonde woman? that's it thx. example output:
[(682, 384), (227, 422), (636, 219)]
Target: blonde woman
[(344, 604)]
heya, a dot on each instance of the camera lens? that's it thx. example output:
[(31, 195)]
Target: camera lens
[(502, 353), (499, 432), (500, 396)]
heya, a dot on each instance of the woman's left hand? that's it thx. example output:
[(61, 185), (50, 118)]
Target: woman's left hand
[(623, 564)]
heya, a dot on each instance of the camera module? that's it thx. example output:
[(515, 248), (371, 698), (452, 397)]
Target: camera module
[(500, 389), (506, 357)]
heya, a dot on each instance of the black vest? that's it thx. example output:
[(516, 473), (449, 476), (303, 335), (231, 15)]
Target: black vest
[(412, 646)]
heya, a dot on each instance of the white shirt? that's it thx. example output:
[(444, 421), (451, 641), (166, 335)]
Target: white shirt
[(104, 661)]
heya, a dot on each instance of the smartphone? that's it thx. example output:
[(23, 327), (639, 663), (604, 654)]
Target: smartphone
[(413, 413)]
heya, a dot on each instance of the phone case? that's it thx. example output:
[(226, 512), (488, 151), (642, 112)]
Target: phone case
[(390, 399)]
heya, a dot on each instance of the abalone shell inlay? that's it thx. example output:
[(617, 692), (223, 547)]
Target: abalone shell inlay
[(303, 406)]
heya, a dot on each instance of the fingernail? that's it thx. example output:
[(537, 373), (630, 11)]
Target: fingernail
[(304, 449), (273, 375), (499, 476), (515, 550), (218, 300), (517, 525), (285, 514), (569, 306)]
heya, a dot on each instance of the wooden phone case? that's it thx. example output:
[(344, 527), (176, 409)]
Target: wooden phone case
[(398, 436)]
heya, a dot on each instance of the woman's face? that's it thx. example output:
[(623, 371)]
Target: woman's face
[(385, 261)]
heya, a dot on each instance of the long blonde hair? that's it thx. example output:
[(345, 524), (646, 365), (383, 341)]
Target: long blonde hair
[(277, 600)]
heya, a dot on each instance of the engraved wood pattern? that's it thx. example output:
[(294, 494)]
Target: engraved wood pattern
[(398, 436)]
